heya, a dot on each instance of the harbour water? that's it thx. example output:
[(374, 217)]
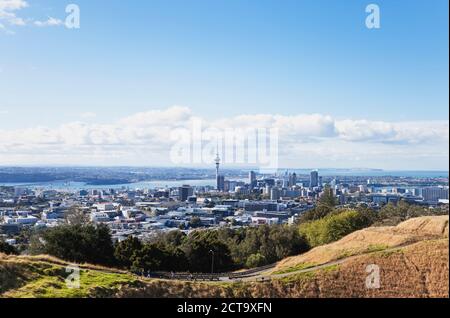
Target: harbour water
[(75, 186)]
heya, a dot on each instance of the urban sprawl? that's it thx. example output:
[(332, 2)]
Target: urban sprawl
[(260, 199)]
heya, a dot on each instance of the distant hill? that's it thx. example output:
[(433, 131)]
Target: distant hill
[(412, 258)]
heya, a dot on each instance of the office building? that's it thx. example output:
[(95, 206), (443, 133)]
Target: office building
[(314, 179)]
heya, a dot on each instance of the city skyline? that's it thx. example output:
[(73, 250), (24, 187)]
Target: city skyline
[(340, 94)]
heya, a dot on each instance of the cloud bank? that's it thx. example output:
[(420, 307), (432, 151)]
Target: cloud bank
[(305, 140)]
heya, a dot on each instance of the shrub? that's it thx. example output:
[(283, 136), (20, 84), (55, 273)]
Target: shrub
[(77, 243), (333, 227), (7, 248), (255, 260)]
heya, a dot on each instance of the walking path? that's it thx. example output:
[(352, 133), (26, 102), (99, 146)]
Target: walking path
[(262, 274)]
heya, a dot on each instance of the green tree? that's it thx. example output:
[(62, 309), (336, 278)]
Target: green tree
[(125, 251), (197, 248), (272, 242), (327, 198), (77, 243), (333, 227), (157, 257), (173, 238), (393, 214), (7, 249), (325, 205), (149, 258), (255, 260)]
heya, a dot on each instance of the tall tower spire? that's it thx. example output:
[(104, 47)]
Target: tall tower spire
[(217, 160), (218, 176)]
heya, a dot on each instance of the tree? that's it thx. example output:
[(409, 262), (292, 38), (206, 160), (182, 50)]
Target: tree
[(125, 251), (77, 243), (173, 238), (333, 227), (197, 249), (393, 214), (149, 258), (255, 260), (271, 242), (7, 249), (325, 205), (154, 257), (327, 199)]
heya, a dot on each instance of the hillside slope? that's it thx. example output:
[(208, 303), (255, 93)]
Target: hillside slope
[(412, 258), (372, 239)]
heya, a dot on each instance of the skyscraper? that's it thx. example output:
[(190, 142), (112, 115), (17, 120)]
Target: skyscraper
[(184, 192), (314, 179), (252, 179), (292, 179), (220, 183)]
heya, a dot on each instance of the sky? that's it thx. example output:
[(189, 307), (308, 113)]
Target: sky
[(112, 92)]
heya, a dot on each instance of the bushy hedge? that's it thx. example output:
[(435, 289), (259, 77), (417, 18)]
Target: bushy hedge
[(333, 227)]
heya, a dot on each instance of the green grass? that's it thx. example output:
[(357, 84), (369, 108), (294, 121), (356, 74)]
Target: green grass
[(300, 277), (370, 249), (376, 248), (295, 268), (50, 282), (331, 268)]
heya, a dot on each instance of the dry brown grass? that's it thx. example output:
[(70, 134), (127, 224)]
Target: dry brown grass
[(374, 238)]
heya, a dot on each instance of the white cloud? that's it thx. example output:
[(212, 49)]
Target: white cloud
[(9, 16), (172, 115), (305, 140), (8, 9), (12, 5), (387, 132), (49, 22)]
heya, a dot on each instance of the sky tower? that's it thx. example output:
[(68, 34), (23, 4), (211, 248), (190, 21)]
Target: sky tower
[(217, 161), (220, 180)]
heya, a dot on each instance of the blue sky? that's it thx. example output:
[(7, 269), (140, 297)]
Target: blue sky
[(225, 58)]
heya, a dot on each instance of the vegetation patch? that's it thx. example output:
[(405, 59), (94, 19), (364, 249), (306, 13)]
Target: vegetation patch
[(295, 268), (333, 227), (51, 283), (330, 268), (300, 277)]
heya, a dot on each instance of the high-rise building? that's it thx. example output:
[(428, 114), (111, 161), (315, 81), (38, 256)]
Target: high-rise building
[(435, 193), (274, 194), (252, 179), (184, 192), (314, 179), (292, 179), (220, 183)]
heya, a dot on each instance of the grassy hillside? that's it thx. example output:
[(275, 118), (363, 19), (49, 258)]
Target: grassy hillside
[(373, 239), (413, 259)]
